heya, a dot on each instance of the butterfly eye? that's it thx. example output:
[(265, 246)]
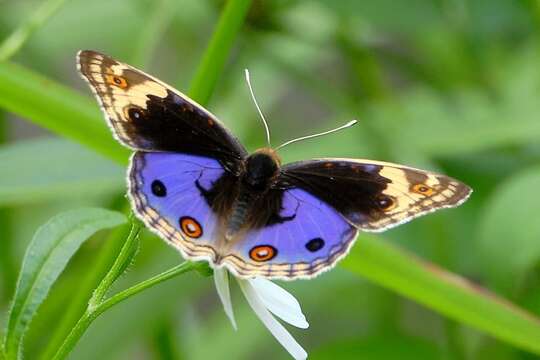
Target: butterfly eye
[(422, 189), (315, 244), (385, 202), (263, 253), (118, 81), (158, 188), (191, 227)]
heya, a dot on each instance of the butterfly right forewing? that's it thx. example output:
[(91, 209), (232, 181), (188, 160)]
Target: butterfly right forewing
[(372, 195)]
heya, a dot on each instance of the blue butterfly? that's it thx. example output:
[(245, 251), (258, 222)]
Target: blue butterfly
[(194, 184)]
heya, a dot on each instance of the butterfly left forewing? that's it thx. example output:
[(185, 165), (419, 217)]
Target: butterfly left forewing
[(375, 196), (147, 114)]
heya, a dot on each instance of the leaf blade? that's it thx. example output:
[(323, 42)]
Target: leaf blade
[(444, 292), (49, 252)]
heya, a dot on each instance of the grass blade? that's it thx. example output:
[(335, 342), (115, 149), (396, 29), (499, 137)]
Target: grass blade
[(57, 108), (76, 172), (46, 256), (17, 39), (218, 50), (445, 292)]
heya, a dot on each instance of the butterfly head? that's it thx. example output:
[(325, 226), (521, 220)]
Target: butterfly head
[(261, 168)]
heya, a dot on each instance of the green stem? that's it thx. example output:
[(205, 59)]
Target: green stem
[(218, 49), (91, 314), (156, 24), (125, 255), (20, 36), (78, 305), (164, 343), (8, 268), (99, 294)]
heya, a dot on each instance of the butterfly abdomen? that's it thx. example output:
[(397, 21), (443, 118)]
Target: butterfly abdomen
[(239, 212), (260, 170)]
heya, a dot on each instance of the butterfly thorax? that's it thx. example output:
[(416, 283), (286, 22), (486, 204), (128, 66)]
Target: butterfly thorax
[(260, 171)]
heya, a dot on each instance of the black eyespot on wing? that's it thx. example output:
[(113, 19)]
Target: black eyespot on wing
[(135, 113), (315, 244), (385, 202), (158, 188)]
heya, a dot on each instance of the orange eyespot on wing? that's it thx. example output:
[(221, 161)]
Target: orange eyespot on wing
[(263, 253), (422, 189), (116, 80), (191, 227)]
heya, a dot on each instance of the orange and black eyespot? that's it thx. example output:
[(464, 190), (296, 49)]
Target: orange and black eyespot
[(385, 202), (263, 253), (116, 80), (422, 189), (191, 227)]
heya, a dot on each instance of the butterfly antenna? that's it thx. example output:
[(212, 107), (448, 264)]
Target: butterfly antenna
[(258, 108), (347, 125)]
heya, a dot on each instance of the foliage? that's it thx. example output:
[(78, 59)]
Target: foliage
[(446, 85)]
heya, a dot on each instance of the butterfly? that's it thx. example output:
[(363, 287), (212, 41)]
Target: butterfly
[(194, 184)]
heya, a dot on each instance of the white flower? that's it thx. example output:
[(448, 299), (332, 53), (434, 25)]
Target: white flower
[(266, 298)]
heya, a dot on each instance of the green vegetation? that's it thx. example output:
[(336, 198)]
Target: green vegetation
[(446, 85)]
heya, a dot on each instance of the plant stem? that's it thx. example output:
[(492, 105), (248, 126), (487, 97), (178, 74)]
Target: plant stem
[(125, 255), (218, 49), (8, 268), (151, 33), (91, 314), (78, 305), (18, 38)]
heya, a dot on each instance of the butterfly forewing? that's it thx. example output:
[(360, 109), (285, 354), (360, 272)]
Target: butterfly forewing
[(375, 196), (146, 114)]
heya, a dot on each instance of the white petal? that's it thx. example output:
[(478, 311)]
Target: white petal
[(221, 279), (280, 302), (275, 327)]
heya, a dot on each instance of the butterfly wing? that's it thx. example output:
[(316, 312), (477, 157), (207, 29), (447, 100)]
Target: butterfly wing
[(374, 196), (146, 114), (166, 192), (174, 195), (304, 238)]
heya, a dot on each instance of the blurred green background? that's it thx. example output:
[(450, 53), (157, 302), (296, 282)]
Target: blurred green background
[(446, 85)]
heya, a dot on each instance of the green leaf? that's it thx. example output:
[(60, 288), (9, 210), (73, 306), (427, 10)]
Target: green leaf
[(382, 347), (50, 168), (444, 292), (50, 250), (57, 108), (515, 245), (21, 35), (218, 50)]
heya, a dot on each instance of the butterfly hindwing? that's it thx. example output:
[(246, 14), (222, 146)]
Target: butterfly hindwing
[(171, 192), (164, 194), (146, 114), (305, 238), (375, 196)]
